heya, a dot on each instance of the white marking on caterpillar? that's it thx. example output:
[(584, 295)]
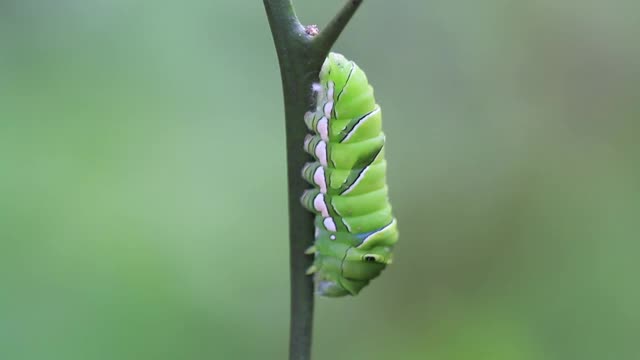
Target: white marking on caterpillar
[(342, 218), (316, 232), (332, 237), (358, 179), (377, 232), (337, 212), (327, 108), (329, 105), (323, 128), (344, 221), (321, 152), (320, 205), (319, 179), (360, 122), (329, 224)]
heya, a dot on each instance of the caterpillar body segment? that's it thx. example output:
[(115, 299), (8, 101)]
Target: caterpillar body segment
[(355, 227)]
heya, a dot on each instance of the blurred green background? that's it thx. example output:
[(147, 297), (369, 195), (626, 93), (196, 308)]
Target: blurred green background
[(143, 188)]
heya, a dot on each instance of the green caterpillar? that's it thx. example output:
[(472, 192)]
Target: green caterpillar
[(355, 230)]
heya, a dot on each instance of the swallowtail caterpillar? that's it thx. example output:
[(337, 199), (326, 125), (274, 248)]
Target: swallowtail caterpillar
[(354, 228)]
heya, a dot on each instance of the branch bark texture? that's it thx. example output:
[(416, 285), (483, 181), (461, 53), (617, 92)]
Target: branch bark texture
[(300, 56)]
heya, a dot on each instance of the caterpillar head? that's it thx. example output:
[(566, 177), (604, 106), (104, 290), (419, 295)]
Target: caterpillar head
[(360, 266), (351, 271)]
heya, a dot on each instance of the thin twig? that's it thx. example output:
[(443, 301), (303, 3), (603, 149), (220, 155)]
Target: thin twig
[(327, 37)]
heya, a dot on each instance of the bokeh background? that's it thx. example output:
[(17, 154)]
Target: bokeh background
[(143, 188)]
